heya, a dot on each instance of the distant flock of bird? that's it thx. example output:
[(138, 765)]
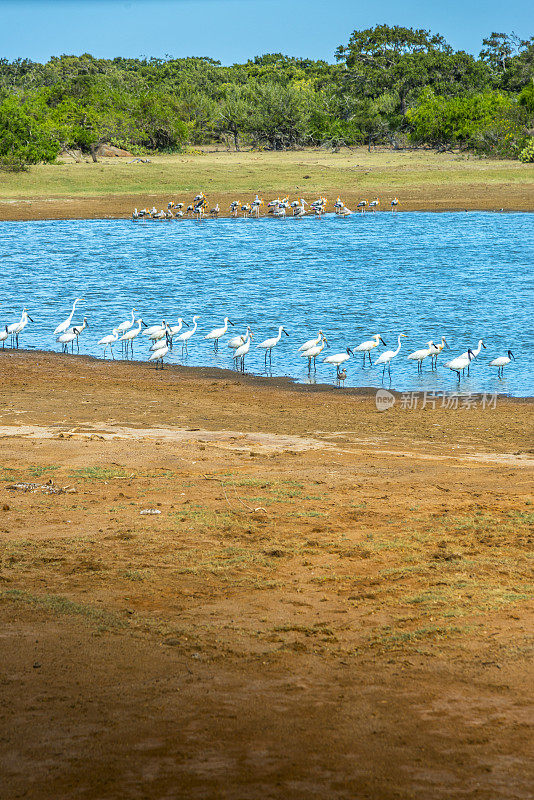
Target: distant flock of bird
[(162, 337), (199, 208)]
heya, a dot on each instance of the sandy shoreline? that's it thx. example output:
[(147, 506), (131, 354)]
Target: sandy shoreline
[(251, 380), (244, 587), (506, 198)]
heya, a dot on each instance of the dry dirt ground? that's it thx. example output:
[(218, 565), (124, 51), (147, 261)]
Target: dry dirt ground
[(332, 602)]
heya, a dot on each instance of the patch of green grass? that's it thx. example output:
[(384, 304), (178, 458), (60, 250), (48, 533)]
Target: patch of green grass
[(55, 604), (97, 473)]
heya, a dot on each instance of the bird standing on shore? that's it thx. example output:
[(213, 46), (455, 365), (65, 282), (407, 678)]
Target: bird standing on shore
[(109, 341), (17, 327)]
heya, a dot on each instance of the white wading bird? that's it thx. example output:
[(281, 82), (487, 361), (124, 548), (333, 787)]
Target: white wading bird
[(420, 355), (130, 335), (338, 359), (237, 341), (436, 350), (154, 329), (386, 357), (17, 327), (109, 341), (242, 351), (460, 363), (186, 335), (217, 333), (312, 352), (159, 355), (174, 330), (71, 336), (268, 344), (366, 347), (127, 324), (310, 343), (475, 351), (501, 362), (3, 336), (63, 326)]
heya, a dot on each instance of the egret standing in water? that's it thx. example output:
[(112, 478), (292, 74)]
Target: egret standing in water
[(501, 362), (186, 335), (370, 344), (3, 336), (174, 330), (386, 357), (475, 352), (269, 344), (242, 350), (127, 324), (63, 326), (217, 333)]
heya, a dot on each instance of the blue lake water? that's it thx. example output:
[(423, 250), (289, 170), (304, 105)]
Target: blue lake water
[(462, 275)]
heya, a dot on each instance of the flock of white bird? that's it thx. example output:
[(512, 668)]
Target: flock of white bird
[(161, 338), (281, 207)]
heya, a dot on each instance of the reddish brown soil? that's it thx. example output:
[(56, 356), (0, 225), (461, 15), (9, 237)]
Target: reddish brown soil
[(339, 607)]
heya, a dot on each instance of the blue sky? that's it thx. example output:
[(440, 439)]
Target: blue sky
[(235, 30)]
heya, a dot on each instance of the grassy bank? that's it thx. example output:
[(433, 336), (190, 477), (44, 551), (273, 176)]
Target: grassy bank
[(420, 179)]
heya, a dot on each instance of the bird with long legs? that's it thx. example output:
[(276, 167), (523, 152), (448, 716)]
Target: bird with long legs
[(65, 325), (129, 336), (71, 336), (16, 328), (436, 350), (337, 359), (159, 354), (475, 351), (174, 330), (185, 337), (459, 363), (501, 363), (310, 343), (367, 346), (3, 336), (269, 344), (385, 358), (420, 355), (109, 341), (242, 350), (312, 353), (217, 333), (236, 341)]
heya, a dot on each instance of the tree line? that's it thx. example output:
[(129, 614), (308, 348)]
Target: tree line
[(392, 85)]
